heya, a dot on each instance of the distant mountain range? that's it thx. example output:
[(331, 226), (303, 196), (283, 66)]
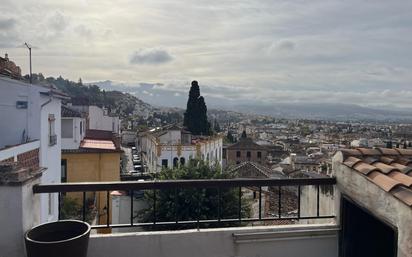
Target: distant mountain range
[(160, 96)]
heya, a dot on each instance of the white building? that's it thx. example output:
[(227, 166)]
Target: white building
[(172, 146), (73, 128), (99, 118), (28, 113)]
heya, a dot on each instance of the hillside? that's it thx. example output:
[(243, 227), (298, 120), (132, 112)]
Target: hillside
[(123, 104)]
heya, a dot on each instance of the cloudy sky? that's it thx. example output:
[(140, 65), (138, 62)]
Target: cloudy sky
[(349, 51)]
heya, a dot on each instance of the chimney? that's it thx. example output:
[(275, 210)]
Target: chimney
[(6, 56)]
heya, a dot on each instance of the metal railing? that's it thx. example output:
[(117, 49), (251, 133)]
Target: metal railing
[(219, 184)]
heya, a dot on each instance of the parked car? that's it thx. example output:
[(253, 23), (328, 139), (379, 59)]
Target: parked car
[(137, 167)]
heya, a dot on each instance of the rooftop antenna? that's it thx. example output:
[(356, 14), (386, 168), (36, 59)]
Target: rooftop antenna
[(29, 47)]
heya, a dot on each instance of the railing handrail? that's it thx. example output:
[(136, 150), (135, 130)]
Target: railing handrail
[(167, 184)]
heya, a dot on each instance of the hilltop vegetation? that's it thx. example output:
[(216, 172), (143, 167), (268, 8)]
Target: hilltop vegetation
[(122, 104)]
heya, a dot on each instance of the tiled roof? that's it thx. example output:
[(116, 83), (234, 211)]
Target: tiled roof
[(247, 167), (68, 112), (390, 169), (98, 144)]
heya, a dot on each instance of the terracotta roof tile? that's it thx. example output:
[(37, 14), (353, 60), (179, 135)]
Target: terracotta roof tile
[(404, 161), (364, 168), (399, 176), (404, 151), (386, 160), (385, 168), (351, 161), (390, 169), (370, 160), (403, 194), (388, 151), (369, 151), (403, 168), (383, 181), (351, 152), (97, 144)]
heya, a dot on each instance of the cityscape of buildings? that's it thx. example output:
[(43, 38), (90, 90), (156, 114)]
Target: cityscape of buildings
[(153, 181)]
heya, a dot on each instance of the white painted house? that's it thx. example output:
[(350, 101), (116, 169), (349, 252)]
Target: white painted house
[(28, 113), (172, 146), (99, 118), (73, 128)]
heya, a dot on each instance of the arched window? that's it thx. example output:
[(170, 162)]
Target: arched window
[(182, 161), (175, 162)]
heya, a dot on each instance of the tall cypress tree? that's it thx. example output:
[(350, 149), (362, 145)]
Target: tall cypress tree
[(195, 117)]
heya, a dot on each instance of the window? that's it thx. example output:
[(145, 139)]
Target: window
[(64, 170), (259, 155), (182, 161), (224, 153), (175, 162), (81, 128), (248, 154), (52, 134), (67, 128), (238, 154), (164, 163)]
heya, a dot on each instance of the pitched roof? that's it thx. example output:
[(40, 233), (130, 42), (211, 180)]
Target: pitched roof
[(68, 112), (246, 144), (390, 169), (247, 168)]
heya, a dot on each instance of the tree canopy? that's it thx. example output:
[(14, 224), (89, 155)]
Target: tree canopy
[(195, 117), (188, 204)]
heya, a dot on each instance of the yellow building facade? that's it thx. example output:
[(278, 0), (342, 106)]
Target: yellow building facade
[(93, 166)]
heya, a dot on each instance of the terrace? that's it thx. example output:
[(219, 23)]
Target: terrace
[(330, 216)]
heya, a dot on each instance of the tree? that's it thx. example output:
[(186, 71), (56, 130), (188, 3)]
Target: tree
[(190, 204), (195, 117)]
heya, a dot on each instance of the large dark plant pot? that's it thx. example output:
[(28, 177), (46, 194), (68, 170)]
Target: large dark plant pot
[(65, 238)]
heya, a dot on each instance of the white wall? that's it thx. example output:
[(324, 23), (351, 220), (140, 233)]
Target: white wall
[(50, 156), (19, 212), (34, 119), (280, 241), (74, 141), (15, 122), (98, 120)]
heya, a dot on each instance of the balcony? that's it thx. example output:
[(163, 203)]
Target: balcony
[(219, 235)]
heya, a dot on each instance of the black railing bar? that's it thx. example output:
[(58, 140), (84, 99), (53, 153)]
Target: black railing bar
[(240, 204), (317, 201), (218, 204), (176, 206), (84, 206), (167, 184), (154, 206), (131, 206), (108, 208), (299, 189), (260, 202), (194, 222), (279, 201)]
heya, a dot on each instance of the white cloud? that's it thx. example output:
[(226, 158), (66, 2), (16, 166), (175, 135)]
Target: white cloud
[(285, 50), (150, 56)]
